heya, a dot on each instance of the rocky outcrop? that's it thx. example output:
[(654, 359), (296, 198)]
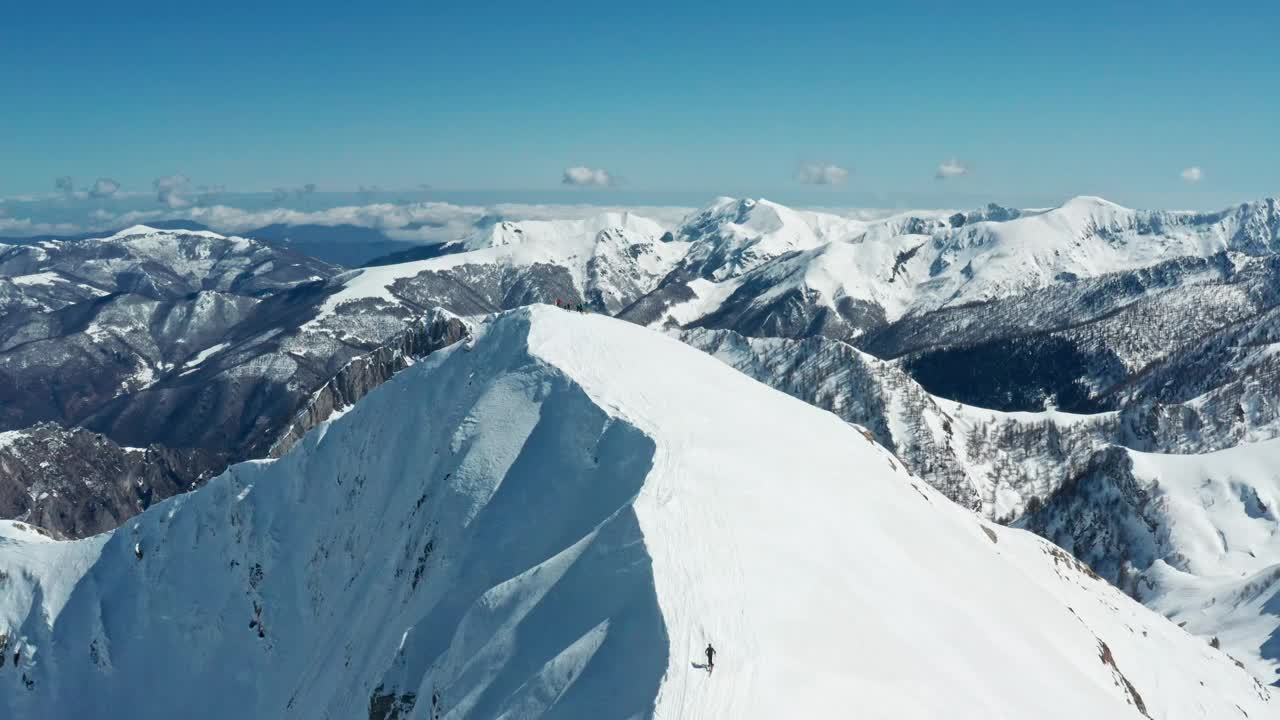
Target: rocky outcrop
[(368, 371)]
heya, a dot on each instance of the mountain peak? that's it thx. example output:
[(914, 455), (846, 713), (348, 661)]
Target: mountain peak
[(139, 230), (1092, 201)]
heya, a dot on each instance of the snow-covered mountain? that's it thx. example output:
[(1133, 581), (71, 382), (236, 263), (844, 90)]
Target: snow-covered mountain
[(1192, 536), (730, 237), (608, 261), (90, 320), (552, 522), (1004, 356), (811, 266), (157, 263), (189, 344)]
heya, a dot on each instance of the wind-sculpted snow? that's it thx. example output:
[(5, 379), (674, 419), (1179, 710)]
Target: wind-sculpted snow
[(552, 521)]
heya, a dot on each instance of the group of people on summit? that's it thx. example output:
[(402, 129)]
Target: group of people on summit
[(580, 307)]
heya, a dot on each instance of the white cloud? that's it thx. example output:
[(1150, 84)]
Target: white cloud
[(821, 174), (583, 176), (169, 190), (1192, 174), (104, 188), (951, 168)]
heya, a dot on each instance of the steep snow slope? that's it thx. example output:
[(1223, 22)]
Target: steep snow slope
[(1223, 574), (1196, 537), (1192, 536), (552, 522)]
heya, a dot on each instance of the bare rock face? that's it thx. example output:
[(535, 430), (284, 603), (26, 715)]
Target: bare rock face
[(366, 372)]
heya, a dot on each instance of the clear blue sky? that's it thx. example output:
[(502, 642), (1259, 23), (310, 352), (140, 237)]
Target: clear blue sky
[(1115, 99)]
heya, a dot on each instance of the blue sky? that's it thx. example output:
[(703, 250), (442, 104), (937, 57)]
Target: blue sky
[(1035, 103)]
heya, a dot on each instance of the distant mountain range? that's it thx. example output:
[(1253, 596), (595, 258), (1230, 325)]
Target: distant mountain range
[(342, 245)]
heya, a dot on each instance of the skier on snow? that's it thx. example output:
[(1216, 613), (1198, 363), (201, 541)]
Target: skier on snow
[(711, 655)]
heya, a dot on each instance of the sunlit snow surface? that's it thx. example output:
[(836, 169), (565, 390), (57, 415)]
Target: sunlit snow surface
[(553, 521), (909, 263), (1217, 565)]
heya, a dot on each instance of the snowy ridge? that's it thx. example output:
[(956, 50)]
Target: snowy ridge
[(1190, 535), (758, 258), (996, 463), (144, 231), (613, 255), (552, 522)]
